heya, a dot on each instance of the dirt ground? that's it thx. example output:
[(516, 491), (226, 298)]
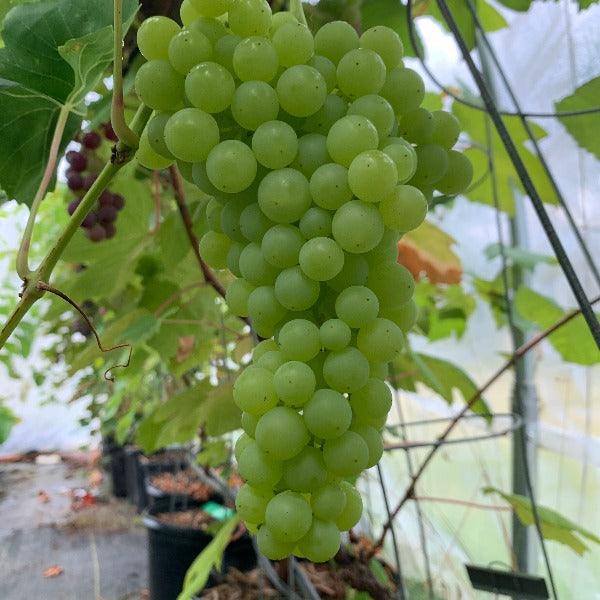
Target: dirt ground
[(63, 538)]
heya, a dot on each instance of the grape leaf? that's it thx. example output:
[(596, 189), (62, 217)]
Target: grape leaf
[(7, 420), (55, 52), (519, 256), (519, 5), (583, 128)]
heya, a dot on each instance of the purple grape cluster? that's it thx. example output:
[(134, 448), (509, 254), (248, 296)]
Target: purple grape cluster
[(99, 223)]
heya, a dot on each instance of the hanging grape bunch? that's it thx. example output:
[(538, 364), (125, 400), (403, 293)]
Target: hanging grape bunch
[(84, 164), (318, 158)]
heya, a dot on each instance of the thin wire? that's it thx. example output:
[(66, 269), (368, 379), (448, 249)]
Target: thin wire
[(506, 113), (538, 205)]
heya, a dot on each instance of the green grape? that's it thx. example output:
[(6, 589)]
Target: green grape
[(295, 290), (446, 129), (281, 246), (154, 35), (316, 364), (253, 391), (350, 136), (188, 13), (188, 48), (263, 347), (186, 170), (379, 371), (352, 510), (251, 503), (404, 315), (255, 269), (327, 414), (335, 334), (404, 209), (249, 423), (372, 175), (214, 248), (378, 110), (325, 309), (156, 134), (347, 455), (271, 547), (387, 249), (213, 29), (373, 440), (432, 164), (372, 401), (312, 153), (328, 502), (316, 222), (255, 59), (381, 340), (301, 90), (357, 226), (212, 8), (257, 468), (329, 186), (190, 134), (231, 166), (336, 39), (346, 370), (288, 516), (237, 296), (241, 444), (354, 272), (356, 306), (203, 183), (253, 223), (459, 175), (271, 360), (210, 86), (254, 103), (321, 543), (327, 69), (332, 111), (231, 214), (305, 472), (392, 283), (321, 258), (361, 72), (281, 18), (294, 383), (299, 340), (416, 126), (405, 157), (250, 17), (386, 42), (404, 89), (148, 158), (294, 44), (159, 86), (263, 305), (275, 144), (213, 215), (284, 195), (225, 49), (233, 258), (281, 433)]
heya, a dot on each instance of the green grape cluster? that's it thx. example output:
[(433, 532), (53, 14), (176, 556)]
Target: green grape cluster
[(318, 157)]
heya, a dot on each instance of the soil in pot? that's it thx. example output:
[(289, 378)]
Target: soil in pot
[(180, 483)]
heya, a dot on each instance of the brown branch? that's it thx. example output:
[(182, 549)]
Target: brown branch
[(156, 188), (459, 502), (44, 287), (518, 354)]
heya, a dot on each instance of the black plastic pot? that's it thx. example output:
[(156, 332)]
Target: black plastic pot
[(115, 456), (240, 555), (136, 481)]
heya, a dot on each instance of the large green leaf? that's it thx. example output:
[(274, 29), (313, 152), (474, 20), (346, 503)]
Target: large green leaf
[(583, 128), (553, 525), (55, 52), (572, 341)]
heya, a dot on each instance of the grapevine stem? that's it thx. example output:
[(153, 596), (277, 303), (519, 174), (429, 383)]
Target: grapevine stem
[(297, 10), (117, 114), (23, 254)]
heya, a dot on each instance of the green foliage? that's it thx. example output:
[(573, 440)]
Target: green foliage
[(573, 341), (7, 421), (553, 525), (519, 256), (583, 128)]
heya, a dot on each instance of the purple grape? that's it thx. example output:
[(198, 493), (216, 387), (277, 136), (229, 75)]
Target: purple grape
[(110, 230), (77, 160), (91, 140), (106, 199), (109, 132), (97, 233), (118, 201), (90, 220), (74, 180), (107, 214), (89, 180), (73, 206)]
